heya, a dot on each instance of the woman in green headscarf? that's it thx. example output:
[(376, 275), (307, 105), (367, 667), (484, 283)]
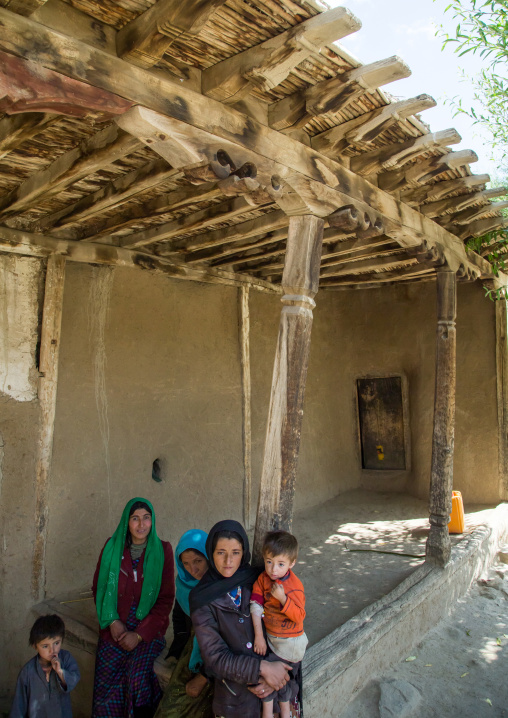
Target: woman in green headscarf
[(134, 589)]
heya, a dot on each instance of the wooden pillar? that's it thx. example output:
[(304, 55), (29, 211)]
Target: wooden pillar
[(244, 325), (502, 394), (48, 368), (300, 283), (441, 482)]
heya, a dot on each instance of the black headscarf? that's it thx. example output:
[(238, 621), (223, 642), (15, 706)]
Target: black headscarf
[(214, 584)]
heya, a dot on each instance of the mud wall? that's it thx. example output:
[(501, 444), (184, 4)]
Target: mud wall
[(150, 369)]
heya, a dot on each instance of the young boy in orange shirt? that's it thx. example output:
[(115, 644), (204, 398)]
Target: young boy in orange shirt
[(278, 601)]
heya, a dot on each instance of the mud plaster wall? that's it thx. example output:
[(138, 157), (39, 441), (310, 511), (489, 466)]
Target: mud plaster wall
[(149, 368)]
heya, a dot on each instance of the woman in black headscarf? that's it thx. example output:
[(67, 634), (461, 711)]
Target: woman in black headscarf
[(220, 612)]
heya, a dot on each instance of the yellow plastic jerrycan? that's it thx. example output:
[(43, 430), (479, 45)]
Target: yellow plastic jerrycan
[(456, 525)]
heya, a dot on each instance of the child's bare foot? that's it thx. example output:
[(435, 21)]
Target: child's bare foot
[(268, 709), (284, 709), (195, 685)]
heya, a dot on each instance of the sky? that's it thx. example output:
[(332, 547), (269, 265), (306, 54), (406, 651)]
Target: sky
[(407, 28)]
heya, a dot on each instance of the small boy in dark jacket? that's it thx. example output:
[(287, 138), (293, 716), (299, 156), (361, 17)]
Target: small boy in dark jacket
[(44, 683)]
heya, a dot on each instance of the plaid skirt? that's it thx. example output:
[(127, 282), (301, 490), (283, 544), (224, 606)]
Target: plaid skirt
[(125, 680)]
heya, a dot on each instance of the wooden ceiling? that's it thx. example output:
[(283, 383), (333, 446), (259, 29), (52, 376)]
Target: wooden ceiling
[(180, 138)]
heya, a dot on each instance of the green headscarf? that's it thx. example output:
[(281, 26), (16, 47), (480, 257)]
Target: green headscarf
[(107, 584)]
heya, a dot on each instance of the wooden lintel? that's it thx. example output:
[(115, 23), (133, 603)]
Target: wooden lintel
[(38, 245), (370, 125), (144, 40), (98, 151), (111, 195), (397, 155), (268, 64), (26, 87), (297, 110), (48, 370)]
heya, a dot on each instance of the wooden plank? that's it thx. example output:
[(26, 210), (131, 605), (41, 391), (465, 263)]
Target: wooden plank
[(404, 273), (244, 337), (438, 548), (197, 220), (16, 130), (398, 154), (99, 151), (297, 110), (111, 195), (25, 87), (268, 64), (502, 394), (273, 153), (144, 40), (369, 126), (482, 226), (48, 370), (38, 245), (67, 19), (300, 283)]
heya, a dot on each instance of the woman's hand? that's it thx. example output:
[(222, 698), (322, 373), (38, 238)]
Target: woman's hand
[(275, 674), (261, 690), (117, 630), (194, 687), (129, 641)]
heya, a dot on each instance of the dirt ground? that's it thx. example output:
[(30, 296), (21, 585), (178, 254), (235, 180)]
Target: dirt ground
[(458, 670)]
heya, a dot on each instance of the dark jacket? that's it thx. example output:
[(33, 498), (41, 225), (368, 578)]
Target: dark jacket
[(37, 697), (182, 630), (155, 624), (226, 639)]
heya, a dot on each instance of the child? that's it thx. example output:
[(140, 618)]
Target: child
[(44, 683), (278, 597)]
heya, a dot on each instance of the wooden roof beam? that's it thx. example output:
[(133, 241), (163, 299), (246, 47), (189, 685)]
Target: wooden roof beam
[(377, 261), (111, 195), (372, 281), (227, 250), (144, 40), (457, 204), (268, 64), (163, 204), (191, 115), (395, 156), (215, 214), (369, 126), (39, 245), (297, 110), (94, 153), (17, 129), (425, 170), (24, 7), (440, 190), (482, 226), (477, 212)]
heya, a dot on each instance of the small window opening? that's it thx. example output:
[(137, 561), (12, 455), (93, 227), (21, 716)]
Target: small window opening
[(157, 470)]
